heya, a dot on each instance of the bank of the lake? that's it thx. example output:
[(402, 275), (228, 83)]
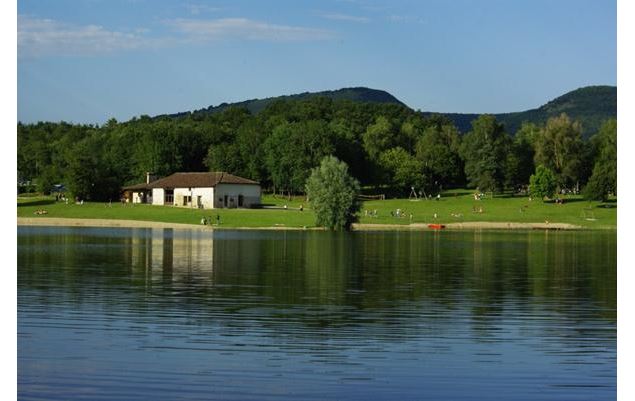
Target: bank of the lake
[(67, 222), (455, 210)]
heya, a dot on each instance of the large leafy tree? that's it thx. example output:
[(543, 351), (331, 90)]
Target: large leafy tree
[(87, 175), (348, 146), (520, 159), (438, 151), (559, 147), (604, 178), (293, 149), (332, 192), (379, 137), (542, 184), (484, 150), (403, 169)]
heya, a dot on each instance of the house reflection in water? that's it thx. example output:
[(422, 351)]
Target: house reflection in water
[(173, 255)]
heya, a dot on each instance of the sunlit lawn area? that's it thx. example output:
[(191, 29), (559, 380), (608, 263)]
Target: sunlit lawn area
[(454, 206), (460, 206), (290, 217)]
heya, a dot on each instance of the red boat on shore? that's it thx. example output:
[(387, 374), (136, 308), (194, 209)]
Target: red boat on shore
[(436, 226)]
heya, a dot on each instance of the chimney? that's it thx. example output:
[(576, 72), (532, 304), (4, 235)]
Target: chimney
[(150, 177)]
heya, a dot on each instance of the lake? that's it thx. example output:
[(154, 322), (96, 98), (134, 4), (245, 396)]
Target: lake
[(162, 314)]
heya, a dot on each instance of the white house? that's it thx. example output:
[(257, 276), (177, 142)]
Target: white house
[(197, 190)]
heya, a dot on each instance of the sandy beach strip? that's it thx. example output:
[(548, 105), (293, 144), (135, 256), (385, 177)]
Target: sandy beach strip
[(69, 222), (472, 225), (53, 221), (57, 221)]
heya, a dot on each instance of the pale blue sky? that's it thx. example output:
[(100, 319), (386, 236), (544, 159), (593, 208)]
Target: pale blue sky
[(87, 61)]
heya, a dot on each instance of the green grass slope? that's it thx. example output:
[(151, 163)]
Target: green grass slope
[(454, 206)]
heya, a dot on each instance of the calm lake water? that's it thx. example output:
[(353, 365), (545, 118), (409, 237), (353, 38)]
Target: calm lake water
[(161, 314)]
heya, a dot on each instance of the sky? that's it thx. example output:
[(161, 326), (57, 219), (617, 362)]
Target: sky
[(91, 60)]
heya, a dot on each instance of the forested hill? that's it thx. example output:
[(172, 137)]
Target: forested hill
[(591, 105), (385, 144), (359, 94)]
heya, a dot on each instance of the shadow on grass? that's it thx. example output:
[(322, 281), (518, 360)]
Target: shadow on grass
[(575, 200), (40, 202), (508, 195), (452, 194)]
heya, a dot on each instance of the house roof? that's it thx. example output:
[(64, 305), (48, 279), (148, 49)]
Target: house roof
[(199, 180), (143, 185)]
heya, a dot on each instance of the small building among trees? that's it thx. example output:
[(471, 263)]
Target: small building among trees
[(196, 190)]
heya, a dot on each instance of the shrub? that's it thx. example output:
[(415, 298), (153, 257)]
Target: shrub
[(542, 183), (333, 194)]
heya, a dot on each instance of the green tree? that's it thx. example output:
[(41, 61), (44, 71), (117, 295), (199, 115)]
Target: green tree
[(293, 149), (403, 169), (46, 180), (542, 183), (484, 150), (348, 147), (559, 147), (520, 159), (438, 150), (224, 157), (379, 137), (604, 178), (333, 194)]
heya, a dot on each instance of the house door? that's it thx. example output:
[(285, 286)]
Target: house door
[(241, 199), (199, 201), (225, 203)]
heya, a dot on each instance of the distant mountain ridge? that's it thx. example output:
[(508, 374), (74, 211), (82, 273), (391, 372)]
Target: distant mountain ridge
[(591, 105), (356, 94)]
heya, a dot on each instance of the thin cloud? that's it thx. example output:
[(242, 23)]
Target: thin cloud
[(45, 37), (245, 29), (406, 19), (345, 17), (196, 9)]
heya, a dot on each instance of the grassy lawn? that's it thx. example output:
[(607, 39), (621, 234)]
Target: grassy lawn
[(290, 217), (460, 206), (454, 206)]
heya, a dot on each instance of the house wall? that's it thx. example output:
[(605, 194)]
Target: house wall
[(157, 196), (250, 193), (137, 197), (206, 194), (211, 197)]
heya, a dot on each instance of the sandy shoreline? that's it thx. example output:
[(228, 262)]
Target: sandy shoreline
[(56, 221), (473, 225), (52, 221)]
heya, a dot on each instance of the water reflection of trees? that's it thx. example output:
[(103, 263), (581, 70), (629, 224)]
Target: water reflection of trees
[(395, 282)]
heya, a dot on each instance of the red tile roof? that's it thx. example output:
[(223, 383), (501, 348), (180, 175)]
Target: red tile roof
[(143, 185), (198, 180)]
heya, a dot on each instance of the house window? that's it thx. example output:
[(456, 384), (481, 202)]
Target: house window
[(187, 200), (169, 196)]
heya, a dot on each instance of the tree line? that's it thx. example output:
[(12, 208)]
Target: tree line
[(389, 148)]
